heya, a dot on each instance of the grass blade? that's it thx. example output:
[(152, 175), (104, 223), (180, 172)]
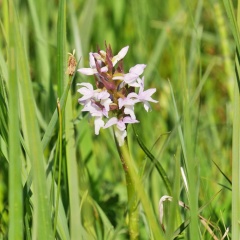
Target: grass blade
[(61, 46), (75, 224), (15, 181), (41, 216), (236, 124)]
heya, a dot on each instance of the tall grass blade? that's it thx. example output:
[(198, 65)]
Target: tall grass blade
[(235, 24), (42, 58), (15, 180), (86, 22), (72, 173), (61, 47), (42, 227)]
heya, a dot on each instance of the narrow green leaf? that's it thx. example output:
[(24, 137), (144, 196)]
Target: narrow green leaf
[(42, 226), (234, 24), (15, 180), (42, 58), (75, 224), (61, 46), (155, 162)]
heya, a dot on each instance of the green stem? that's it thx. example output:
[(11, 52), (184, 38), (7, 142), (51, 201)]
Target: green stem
[(133, 200), (60, 165)]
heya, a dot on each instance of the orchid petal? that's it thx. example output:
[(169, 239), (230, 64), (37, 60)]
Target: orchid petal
[(121, 125), (111, 122), (98, 122), (146, 106), (137, 69), (128, 119), (130, 110), (130, 77), (91, 60), (120, 135), (88, 85), (87, 71), (122, 53)]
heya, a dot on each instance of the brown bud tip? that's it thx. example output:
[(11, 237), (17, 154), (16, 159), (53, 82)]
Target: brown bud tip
[(71, 64)]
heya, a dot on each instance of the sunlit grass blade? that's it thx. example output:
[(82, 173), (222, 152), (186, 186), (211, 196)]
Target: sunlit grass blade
[(188, 155), (42, 54), (72, 173), (15, 180), (174, 214), (60, 157), (62, 219), (233, 22), (42, 227), (75, 29), (86, 22), (235, 161), (61, 47), (236, 124)]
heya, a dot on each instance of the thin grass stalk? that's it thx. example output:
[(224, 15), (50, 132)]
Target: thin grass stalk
[(61, 46), (51, 126), (235, 147), (133, 211), (15, 180), (76, 229), (59, 167), (191, 164), (52, 189), (174, 218)]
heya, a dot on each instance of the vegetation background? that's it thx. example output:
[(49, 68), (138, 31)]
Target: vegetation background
[(59, 180)]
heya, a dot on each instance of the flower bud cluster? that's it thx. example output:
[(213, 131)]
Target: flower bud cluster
[(114, 97)]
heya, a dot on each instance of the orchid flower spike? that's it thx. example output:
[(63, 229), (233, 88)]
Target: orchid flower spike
[(113, 100)]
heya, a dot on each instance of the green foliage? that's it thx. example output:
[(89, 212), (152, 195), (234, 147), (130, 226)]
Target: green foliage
[(59, 180)]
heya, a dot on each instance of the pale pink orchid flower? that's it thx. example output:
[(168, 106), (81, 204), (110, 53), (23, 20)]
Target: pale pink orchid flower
[(104, 98), (143, 96), (87, 92), (132, 77), (96, 95), (92, 70), (96, 112), (121, 54), (128, 105), (120, 130)]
